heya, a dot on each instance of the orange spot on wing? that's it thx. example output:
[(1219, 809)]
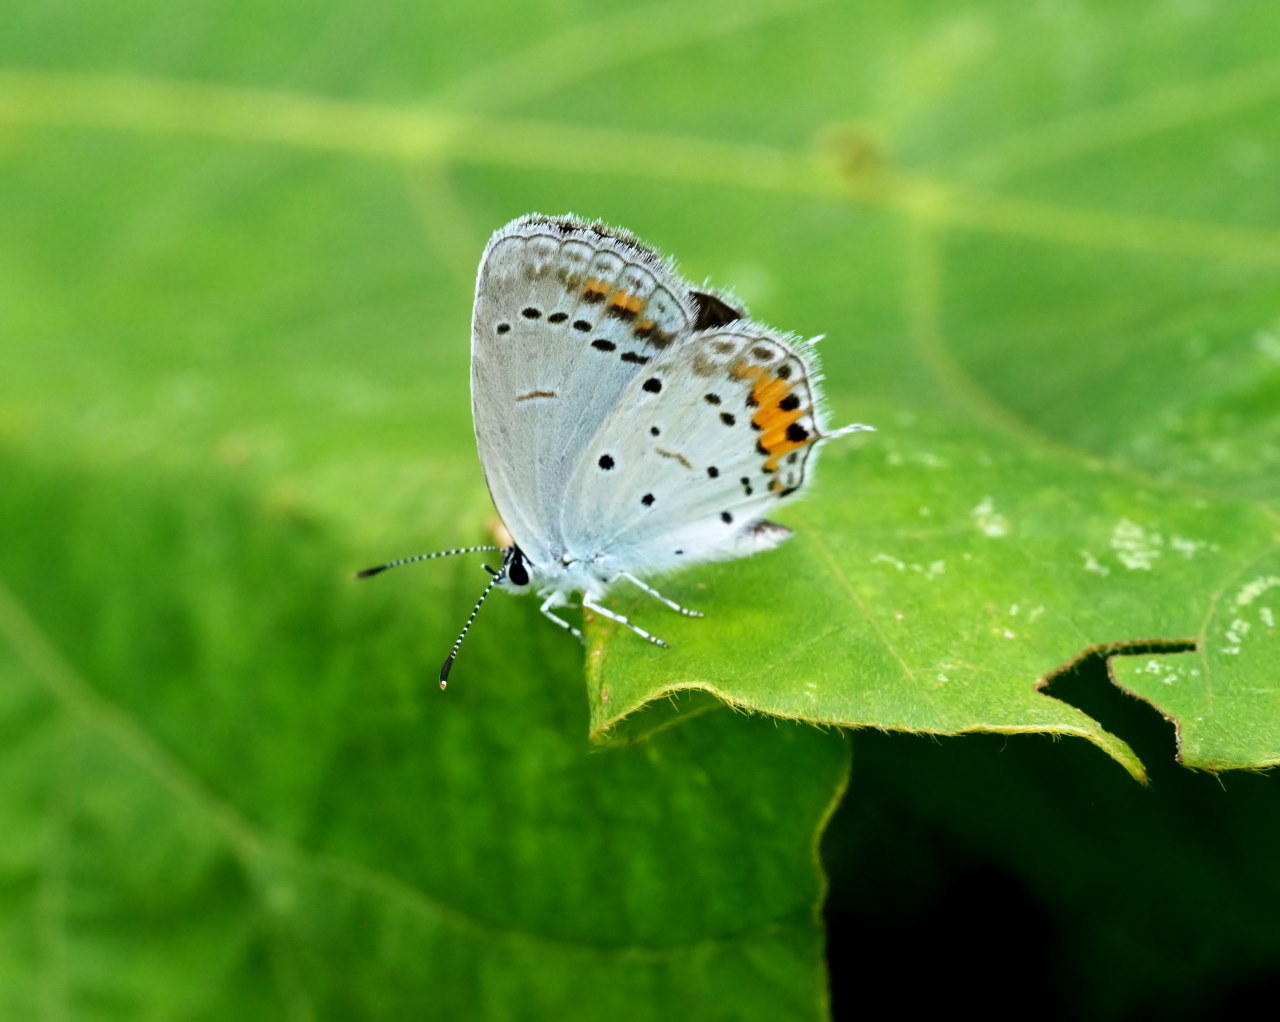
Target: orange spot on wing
[(769, 391), (773, 436), (628, 302), (786, 446), (773, 421)]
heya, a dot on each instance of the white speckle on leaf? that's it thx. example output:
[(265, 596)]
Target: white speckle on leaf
[(1167, 672), (925, 459), (1013, 610), (925, 512), (1236, 632), (934, 569), (942, 678), (1134, 546), (1187, 547), (1267, 617), (1009, 635), (1092, 564), (990, 522), (1035, 612), (1250, 591)]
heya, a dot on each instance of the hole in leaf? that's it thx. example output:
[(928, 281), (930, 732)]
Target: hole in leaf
[(1087, 685)]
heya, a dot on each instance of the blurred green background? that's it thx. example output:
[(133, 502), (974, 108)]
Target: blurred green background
[(237, 251)]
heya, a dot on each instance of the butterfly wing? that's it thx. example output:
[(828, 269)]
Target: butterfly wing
[(710, 437), (567, 315)]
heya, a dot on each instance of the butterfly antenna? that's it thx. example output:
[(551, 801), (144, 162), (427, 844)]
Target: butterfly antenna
[(377, 570), (498, 576)]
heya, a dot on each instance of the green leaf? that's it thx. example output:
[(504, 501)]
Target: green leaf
[(1064, 359), (213, 814), (235, 282), (1014, 563), (1226, 714)]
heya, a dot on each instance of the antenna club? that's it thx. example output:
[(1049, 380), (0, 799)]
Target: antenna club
[(379, 568), (509, 553)]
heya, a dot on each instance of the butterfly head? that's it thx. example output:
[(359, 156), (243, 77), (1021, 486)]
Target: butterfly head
[(514, 575)]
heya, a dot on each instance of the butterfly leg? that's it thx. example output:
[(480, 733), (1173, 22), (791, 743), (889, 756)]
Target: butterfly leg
[(658, 596), (614, 616), (550, 602)]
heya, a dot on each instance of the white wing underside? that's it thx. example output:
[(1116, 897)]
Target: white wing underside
[(539, 387), (698, 488), (612, 431)]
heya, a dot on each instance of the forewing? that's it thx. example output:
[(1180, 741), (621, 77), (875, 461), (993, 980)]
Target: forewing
[(567, 315)]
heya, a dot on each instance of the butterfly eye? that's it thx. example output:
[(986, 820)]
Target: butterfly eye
[(517, 570)]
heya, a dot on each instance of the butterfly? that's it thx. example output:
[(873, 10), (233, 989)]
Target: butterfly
[(627, 423)]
